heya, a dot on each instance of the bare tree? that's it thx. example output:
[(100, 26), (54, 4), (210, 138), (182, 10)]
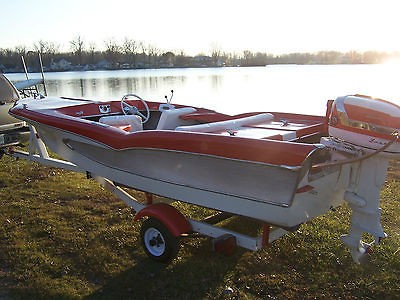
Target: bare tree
[(247, 56), (92, 51), (46, 47), (112, 51), (215, 53), (130, 48), (142, 46), (20, 50), (181, 59), (153, 53), (47, 50), (40, 46), (77, 47)]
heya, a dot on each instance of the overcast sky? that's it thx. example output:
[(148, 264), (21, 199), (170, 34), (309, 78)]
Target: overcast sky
[(279, 26)]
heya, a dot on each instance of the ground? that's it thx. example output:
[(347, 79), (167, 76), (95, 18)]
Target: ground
[(63, 236)]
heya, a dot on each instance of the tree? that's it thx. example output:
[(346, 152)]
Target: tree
[(153, 54), (20, 50), (130, 48), (92, 51), (46, 47), (215, 54), (112, 51), (247, 56), (181, 59), (47, 50), (142, 46), (77, 47)]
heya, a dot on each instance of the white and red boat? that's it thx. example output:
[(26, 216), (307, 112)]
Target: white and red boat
[(282, 169)]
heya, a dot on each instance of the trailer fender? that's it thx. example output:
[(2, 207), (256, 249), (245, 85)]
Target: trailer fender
[(172, 218)]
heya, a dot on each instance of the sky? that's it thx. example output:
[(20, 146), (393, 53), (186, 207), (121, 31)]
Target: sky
[(271, 26)]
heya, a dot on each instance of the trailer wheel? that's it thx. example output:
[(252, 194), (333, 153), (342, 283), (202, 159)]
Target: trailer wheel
[(158, 242)]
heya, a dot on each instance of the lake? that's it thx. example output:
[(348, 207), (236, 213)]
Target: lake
[(289, 88)]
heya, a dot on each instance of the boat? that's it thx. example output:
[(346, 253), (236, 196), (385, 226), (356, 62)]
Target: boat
[(13, 131), (282, 169)]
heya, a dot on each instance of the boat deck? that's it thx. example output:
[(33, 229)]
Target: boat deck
[(281, 127)]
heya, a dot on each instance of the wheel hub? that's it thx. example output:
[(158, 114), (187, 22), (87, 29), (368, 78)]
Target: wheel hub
[(154, 242)]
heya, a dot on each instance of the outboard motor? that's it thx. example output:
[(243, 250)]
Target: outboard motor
[(366, 122), (369, 127)]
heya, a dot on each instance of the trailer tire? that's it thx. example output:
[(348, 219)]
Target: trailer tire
[(158, 242)]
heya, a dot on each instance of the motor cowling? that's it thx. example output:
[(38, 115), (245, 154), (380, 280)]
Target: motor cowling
[(366, 122)]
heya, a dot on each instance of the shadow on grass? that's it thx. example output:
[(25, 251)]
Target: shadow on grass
[(192, 277), (197, 273)]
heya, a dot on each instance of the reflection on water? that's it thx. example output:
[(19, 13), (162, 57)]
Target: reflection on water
[(111, 86), (292, 88)]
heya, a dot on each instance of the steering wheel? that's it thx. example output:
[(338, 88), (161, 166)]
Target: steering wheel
[(128, 109)]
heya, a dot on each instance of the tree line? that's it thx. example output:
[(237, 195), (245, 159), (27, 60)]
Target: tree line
[(130, 53)]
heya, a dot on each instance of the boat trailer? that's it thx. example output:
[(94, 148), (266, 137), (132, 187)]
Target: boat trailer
[(163, 225)]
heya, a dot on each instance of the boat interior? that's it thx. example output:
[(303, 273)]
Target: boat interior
[(134, 115)]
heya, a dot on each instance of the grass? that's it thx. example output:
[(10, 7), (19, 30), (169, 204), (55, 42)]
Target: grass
[(65, 237)]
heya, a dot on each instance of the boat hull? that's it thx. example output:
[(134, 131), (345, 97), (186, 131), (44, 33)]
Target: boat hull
[(265, 192)]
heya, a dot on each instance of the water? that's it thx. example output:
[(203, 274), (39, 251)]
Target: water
[(288, 88)]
